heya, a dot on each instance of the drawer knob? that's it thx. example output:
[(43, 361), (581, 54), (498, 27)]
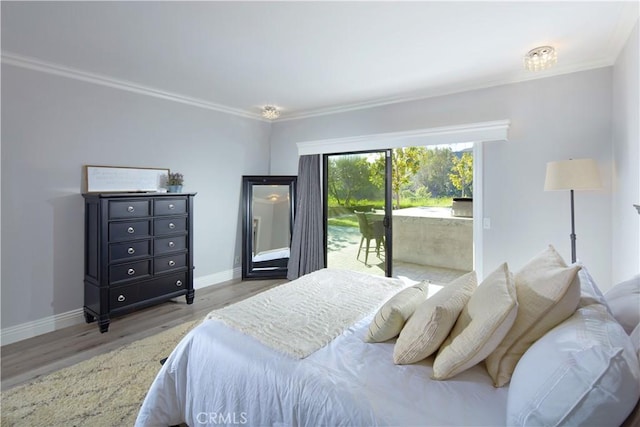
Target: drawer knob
[(171, 244), (131, 230), (171, 206), (178, 283), (131, 251), (130, 209), (131, 272), (172, 225), (121, 298), (172, 263)]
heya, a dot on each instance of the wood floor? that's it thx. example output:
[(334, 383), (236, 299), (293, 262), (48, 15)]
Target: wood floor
[(28, 359)]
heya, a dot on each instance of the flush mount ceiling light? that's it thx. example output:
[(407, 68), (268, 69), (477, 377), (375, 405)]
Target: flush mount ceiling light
[(270, 112), (540, 58)]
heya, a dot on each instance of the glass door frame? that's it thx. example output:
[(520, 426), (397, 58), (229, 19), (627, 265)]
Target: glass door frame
[(387, 222)]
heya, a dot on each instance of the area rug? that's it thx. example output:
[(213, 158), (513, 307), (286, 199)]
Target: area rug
[(106, 390)]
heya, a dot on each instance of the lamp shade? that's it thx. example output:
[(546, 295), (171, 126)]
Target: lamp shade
[(578, 174)]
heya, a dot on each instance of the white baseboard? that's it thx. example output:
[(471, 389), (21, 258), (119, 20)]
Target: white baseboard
[(41, 326), (31, 329), (216, 278)]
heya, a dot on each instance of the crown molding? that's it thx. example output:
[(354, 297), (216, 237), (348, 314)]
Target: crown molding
[(497, 130), (102, 80), (72, 73), (450, 90)]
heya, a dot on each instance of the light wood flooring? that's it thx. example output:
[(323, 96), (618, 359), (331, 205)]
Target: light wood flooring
[(31, 358)]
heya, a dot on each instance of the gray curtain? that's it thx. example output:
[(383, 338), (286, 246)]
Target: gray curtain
[(307, 243)]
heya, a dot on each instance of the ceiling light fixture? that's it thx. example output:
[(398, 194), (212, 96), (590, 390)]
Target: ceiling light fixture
[(270, 112), (540, 58)]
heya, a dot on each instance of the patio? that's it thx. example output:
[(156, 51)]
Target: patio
[(419, 234)]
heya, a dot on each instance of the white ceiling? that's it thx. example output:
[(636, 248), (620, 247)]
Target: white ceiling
[(308, 57)]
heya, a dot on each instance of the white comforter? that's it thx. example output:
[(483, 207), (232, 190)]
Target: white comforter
[(219, 376)]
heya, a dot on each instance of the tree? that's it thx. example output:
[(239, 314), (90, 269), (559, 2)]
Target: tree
[(435, 167), (405, 163), (348, 178), (461, 175)]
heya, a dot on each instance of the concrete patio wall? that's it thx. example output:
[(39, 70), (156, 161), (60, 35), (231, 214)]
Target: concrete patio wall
[(435, 241)]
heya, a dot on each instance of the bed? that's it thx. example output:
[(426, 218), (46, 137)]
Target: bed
[(253, 372)]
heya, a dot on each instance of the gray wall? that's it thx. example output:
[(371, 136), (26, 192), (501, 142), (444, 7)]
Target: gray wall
[(52, 126), (625, 253), (554, 118)]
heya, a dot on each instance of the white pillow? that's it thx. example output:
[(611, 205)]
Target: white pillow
[(481, 326), (391, 317), (430, 324), (547, 294), (582, 372), (635, 340), (624, 301), (590, 293)]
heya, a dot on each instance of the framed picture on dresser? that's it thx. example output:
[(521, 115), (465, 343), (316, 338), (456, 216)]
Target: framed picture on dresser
[(102, 179)]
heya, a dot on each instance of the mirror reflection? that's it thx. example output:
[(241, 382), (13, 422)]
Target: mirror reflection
[(268, 224)]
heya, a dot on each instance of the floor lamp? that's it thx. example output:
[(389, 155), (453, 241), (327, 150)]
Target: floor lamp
[(578, 174)]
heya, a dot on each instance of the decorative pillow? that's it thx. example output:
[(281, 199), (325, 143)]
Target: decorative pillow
[(547, 294), (389, 320), (624, 301), (433, 319), (583, 372), (481, 326)]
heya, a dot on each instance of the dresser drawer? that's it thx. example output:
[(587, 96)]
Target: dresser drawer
[(169, 244), (119, 209), (129, 271), (129, 230), (123, 296), (163, 286), (129, 250), (169, 207), (168, 263), (169, 226)]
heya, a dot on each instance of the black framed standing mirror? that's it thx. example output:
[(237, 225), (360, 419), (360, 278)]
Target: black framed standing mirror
[(268, 211)]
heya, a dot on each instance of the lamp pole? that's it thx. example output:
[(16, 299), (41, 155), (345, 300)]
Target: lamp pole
[(573, 232)]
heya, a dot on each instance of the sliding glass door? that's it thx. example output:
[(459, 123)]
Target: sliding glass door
[(405, 212), (357, 209)]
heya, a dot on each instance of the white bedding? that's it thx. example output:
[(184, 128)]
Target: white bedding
[(302, 316), (219, 376), (271, 254)]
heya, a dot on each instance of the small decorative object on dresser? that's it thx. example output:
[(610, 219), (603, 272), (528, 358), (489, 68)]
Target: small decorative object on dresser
[(138, 252), (174, 182)]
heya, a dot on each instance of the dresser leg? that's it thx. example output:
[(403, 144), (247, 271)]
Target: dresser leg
[(190, 295), (104, 325), (89, 317)]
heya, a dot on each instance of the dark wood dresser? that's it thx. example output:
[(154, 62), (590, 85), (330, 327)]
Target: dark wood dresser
[(138, 252)]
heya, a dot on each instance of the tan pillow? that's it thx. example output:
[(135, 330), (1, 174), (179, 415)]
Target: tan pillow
[(482, 325), (433, 319), (389, 320), (547, 295)]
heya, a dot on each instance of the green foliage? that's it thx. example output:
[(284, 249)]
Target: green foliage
[(349, 179), (435, 166), (405, 163), (175, 178), (415, 202), (344, 221), (420, 177), (461, 175)]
